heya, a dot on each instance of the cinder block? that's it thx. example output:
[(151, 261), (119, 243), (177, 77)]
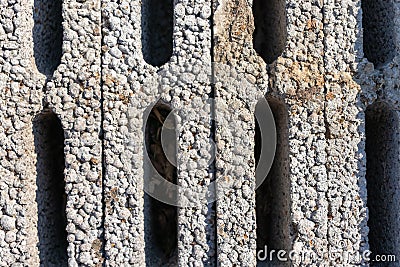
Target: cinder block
[(138, 133)]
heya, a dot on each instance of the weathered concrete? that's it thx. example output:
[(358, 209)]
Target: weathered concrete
[(73, 93), (85, 87)]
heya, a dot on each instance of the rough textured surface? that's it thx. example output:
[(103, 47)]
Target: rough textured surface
[(344, 117), (297, 79), (237, 69), (333, 88), (131, 86), (73, 93)]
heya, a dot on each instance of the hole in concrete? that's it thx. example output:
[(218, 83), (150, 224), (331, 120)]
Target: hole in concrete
[(160, 218), (383, 179), (50, 194), (47, 35), (273, 195), (270, 34), (157, 30), (379, 31)]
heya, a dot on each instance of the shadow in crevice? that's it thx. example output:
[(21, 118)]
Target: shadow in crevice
[(47, 35), (50, 195), (383, 180), (379, 31), (273, 195), (157, 31), (161, 226), (270, 34)]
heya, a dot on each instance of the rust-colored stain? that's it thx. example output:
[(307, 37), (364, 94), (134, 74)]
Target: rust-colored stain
[(309, 81), (312, 24), (330, 96), (234, 28), (94, 161), (111, 81)]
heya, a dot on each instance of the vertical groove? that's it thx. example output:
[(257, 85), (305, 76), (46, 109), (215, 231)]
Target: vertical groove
[(157, 31), (50, 194), (213, 169), (103, 156), (379, 31), (273, 195), (47, 35), (161, 228), (383, 183), (270, 34)]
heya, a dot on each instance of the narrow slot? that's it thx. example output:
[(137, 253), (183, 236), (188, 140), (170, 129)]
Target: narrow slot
[(47, 35), (270, 34), (50, 194), (157, 30), (383, 180), (161, 227), (379, 31), (273, 195)]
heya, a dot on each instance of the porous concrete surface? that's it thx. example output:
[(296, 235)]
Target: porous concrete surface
[(238, 71), (351, 87), (131, 86), (112, 70), (297, 77), (344, 117), (73, 94)]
